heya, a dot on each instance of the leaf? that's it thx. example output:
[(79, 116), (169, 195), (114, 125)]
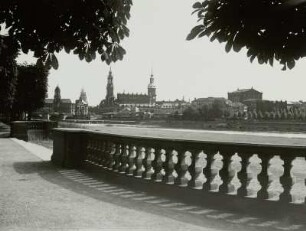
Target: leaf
[(252, 58), (197, 5), (206, 32), (271, 61), (228, 46), (236, 47), (54, 62), (196, 10), (260, 59), (194, 32), (205, 3), (291, 64), (213, 37), (67, 49), (88, 57)]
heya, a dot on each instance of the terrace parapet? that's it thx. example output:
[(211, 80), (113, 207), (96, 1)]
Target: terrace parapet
[(254, 173)]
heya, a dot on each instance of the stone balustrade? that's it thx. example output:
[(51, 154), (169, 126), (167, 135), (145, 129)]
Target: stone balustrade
[(27, 130), (257, 172)]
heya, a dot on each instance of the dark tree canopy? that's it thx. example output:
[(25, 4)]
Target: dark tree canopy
[(269, 29), (31, 89), (8, 73), (81, 26)]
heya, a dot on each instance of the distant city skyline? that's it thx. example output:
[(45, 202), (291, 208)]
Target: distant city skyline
[(189, 69)]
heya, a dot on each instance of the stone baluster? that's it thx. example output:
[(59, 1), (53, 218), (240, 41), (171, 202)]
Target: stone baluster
[(253, 170), (286, 179), (298, 174), (171, 161), (216, 166), (131, 160), (243, 174), (139, 161), (124, 159), (207, 169), (159, 165), (99, 152), (107, 149), (199, 162), (104, 153), (177, 167), (224, 172), (234, 169), (112, 152), (263, 177), (184, 175), (94, 152), (150, 155), (275, 171), (117, 158), (88, 150)]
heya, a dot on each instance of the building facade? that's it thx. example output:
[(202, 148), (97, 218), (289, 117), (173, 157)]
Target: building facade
[(139, 100), (242, 95), (58, 105), (124, 100), (81, 106)]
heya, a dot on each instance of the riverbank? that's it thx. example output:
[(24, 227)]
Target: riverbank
[(217, 125)]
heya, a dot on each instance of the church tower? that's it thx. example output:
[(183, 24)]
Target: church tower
[(57, 99), (109, 99), (152, 90), (83, 96)]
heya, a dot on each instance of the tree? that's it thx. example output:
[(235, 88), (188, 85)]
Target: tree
[(216, 109), (8, 74), (269, 30), (31, 89), (191, 113), (204, 112), (84, 27)]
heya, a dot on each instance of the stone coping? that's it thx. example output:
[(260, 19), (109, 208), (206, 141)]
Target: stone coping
[(193, 136)]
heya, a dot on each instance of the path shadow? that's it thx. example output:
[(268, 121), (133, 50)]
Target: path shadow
[(47, 171)]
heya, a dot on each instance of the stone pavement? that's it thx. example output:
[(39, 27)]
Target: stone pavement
[(35, 195)]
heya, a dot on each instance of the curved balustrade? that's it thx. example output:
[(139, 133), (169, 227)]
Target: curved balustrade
[(265, 172), (32, 130)]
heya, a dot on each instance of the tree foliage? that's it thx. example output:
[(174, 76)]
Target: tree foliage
[(84, 27), (269, 29), (31, 89), (8, 73), (204, 112)]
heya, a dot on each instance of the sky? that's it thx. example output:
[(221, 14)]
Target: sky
[(189, 69)]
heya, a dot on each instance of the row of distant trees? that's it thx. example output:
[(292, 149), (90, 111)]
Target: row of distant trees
[(285, 114), (216, 111), (204, 112)]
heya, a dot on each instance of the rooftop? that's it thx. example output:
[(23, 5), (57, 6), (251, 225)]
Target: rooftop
[(244, 90)]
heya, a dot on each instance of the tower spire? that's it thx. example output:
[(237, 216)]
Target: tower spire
[(152, 89), (110, 88)]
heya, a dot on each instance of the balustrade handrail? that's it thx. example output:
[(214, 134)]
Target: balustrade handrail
[(298, 143), (266, 171)]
